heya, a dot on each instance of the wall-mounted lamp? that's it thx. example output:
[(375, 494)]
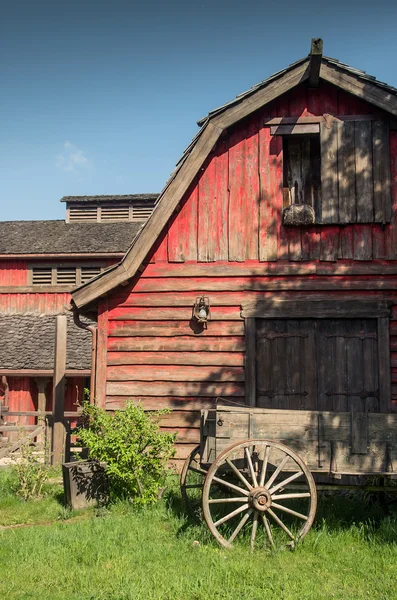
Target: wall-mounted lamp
[(201, 309)]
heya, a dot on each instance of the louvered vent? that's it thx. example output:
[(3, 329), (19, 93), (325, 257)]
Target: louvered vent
[(88, 273), (66, 275), (88, 213), (115, 213), (143, 212), (42, 276)]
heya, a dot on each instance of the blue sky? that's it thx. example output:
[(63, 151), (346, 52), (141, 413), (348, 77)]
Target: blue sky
[(102, 96)]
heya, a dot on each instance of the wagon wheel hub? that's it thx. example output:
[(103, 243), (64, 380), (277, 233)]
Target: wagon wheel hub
[(260, 499)]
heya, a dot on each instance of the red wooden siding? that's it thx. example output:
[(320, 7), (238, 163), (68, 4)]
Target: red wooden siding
[(233, 212), (49, 303), (13, 272)]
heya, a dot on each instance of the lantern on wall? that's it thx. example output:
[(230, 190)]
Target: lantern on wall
[(201, 310)]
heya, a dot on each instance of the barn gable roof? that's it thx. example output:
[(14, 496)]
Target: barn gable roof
[(351, 80)]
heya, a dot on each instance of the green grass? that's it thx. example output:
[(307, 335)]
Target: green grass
[(151, 554)]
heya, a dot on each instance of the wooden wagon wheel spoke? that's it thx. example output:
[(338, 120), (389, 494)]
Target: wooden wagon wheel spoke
[(258, 460), (267, 529), (239, 475), (254, 528), (264, 466), (240, 526), (279, 522), (251, 467)]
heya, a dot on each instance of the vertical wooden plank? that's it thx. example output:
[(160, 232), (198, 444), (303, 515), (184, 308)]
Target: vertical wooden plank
[(263, 363), (59, 382), (250, 362), (279, 364), (362, 242), (309, 362), (237, 224), (222, 201), (340, 374), (182, 234), (102, 353), (268, 213), (364, 173), (276, 150), (391, 230), (381, 167), (292, 374), (370, 370), (384, 365), (207, 212), (251, 195), (346, 242), (346, 172), (329, 244), (328, 212), (354, 362), (359, 433)]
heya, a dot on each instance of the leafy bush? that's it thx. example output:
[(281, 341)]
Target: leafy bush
[(31, 474), (133, 447)]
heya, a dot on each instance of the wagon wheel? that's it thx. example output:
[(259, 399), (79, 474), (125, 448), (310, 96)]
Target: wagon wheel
[(260, 486), (192, 481)]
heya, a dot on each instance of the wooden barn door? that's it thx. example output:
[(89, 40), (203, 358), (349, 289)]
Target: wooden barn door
[(317, 364)]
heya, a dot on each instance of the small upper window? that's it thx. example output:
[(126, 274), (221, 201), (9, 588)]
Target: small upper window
[(335, 170), (67, 275)]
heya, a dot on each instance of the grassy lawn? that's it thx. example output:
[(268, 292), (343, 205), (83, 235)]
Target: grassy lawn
[(158, 553)]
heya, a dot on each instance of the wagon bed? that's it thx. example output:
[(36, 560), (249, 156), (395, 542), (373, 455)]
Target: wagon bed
[(254, 466)]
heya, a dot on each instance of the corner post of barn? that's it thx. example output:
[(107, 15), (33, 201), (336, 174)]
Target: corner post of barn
[(59, 385)]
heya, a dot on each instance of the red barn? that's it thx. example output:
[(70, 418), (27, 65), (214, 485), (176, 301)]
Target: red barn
[(40, 263), (282, 217)]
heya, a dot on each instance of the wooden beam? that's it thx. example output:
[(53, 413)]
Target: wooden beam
[(303, 129), (43, 372), (316, 56), (58, 427), (360, 88)]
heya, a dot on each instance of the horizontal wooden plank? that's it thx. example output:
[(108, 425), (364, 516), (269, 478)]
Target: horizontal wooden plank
[(167, 329), (232, 359), (208, 285), (314, 119), (184, 436), (393, 327), (174, 373), (393, 343), (314, 309), (227, 269), (393, 360), (183, 344), (295, 129), (218, 313), (235, 299), (182, 419), (172, 402), (268, 269), (174, 388)]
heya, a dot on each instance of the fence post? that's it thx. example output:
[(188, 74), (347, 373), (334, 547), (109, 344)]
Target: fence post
[(58, 396)]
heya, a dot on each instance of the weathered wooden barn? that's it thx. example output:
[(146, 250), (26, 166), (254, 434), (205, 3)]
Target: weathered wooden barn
[(40, 263), (279, 224)]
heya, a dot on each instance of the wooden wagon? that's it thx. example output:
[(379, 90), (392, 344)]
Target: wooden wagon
[(257, 468)]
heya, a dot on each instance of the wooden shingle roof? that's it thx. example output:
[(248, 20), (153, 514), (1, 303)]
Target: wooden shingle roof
[(58, 237), (28, 342)]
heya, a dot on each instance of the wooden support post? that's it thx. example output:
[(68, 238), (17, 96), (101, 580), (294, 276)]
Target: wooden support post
[(41, 383), (316, 55), (58, 408)]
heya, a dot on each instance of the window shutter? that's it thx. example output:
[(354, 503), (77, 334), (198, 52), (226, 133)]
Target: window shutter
[(328, 210), (115, 213), (381, 164), (82, 213), (355, 172)]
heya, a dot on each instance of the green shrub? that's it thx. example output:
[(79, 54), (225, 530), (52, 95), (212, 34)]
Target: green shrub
[(31, 473), (132, 445)]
